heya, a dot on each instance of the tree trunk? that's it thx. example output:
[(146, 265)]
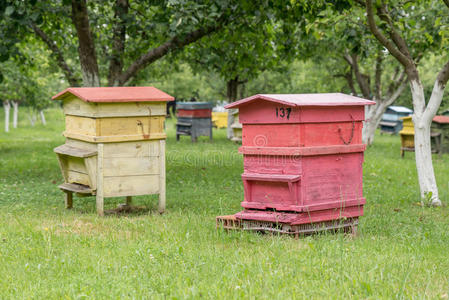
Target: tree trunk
[(231, 91), (423, 152), (86, 47), (32, 117), (15, 118), (376, 111), (372, 121), (41, 113), (7, 107)]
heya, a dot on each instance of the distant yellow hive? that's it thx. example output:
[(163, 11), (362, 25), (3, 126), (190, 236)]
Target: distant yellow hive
[(220, 119), (237, 128)]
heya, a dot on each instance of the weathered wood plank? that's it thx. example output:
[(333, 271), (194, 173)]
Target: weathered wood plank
[(76, 107), (75, 188), (100, 182), (131, 185), (81, 144), (161, 206), (132, 149), (74, 151), (76, 177), (125, 166), (132, 126), (80, 125), (111, 139)]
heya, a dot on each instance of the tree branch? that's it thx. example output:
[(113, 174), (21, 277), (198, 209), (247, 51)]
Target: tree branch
[(403, 59), (68, 72), (395, 36), (176, 42), (118, 42), (378, 75), (362, 79), (86, 48), (446, 2)]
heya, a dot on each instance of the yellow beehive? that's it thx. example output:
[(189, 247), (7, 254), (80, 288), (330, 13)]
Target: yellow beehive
[(237, 128), (220, 119), (407, 135), (115, 143)]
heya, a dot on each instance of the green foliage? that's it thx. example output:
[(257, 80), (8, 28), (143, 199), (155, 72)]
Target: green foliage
[(31, 78), (53, 253)]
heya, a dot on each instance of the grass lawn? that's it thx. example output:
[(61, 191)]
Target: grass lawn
[(49, 252)]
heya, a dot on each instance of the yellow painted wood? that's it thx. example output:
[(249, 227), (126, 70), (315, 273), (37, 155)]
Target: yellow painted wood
[(220, 119), (107, 130), (119, 186), (77, 107), (80, 125), (407, 126)]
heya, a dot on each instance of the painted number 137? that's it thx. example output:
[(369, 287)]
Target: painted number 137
[(282, 112)]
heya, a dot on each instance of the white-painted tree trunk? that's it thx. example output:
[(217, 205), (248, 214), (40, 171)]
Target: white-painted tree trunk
[(32, 118), (422, 120), (373, 118), (374, 115), (7, 108), (15, 116), (41, 113)]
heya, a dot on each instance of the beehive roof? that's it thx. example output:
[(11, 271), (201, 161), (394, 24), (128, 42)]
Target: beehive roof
[(441, 119), (115, 94), (325, 99), (400, 109)]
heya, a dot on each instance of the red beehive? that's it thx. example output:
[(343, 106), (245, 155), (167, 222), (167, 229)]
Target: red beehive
[(302, 157)]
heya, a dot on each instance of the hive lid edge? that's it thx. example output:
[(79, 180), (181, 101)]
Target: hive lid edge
[(318, 99)]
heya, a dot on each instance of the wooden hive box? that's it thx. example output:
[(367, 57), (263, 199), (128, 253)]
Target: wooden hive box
[(236, 128), (440, 125), (391, 121), (302, 157), (115, 143), (438, 135), (194, 119), (220, 119)]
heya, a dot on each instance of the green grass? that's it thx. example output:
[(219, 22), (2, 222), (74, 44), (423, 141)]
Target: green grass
[(49, 252)]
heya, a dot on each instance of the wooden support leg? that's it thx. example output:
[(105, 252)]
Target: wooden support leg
[(100, 192), (68, 197), (161, 206), (177, 137), (128, 200)]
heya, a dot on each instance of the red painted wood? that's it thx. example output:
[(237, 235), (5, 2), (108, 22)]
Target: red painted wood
[(195, 113), (115, 94), (267, 112), (301, 135), (302, 156), (441, 119), (301, 151), (301, 218)]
